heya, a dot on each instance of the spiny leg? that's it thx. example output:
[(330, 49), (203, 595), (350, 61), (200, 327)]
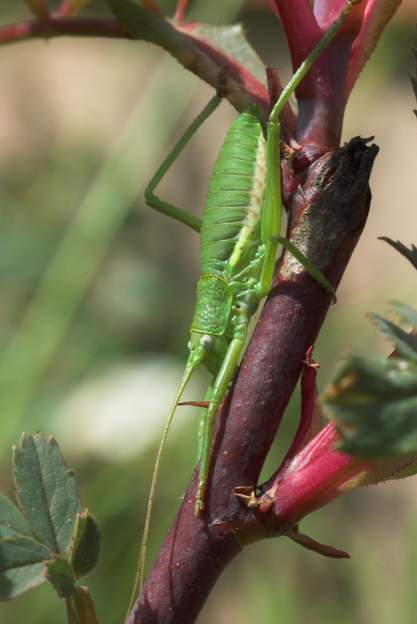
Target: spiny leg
[(158, 204), (220, 387)]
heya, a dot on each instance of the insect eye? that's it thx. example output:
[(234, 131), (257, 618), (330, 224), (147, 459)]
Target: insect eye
[(206, 341)]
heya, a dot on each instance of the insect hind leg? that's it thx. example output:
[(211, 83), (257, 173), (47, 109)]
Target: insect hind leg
[(315, 273), (153, 200)]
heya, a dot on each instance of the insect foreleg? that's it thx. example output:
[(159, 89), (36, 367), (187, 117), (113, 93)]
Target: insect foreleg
[(271, 209), (153, 200)]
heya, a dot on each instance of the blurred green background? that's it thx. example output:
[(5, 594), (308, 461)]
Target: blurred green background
[(97, 294)]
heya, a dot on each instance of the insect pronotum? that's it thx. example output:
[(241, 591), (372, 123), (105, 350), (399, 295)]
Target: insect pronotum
[(239, 234)]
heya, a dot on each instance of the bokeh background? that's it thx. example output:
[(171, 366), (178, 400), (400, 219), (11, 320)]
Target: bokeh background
[(97, 294)]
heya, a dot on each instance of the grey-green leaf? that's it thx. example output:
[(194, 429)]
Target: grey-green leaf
[(373, 402), (46, 490), (85, 545), (11, 520), (406, 313), (406, 343), (21, 565), (61, 575), (232, 41)]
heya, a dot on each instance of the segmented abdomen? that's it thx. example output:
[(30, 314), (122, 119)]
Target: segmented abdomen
[(235, 194)]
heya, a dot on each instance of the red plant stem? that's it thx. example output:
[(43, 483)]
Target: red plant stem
[(331, 207), (296, 493), (56, 26), (64, 9), (212, 65), (303, 33), (181, 10)]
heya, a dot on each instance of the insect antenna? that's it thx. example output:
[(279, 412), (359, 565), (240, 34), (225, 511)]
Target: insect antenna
[(140, 574)]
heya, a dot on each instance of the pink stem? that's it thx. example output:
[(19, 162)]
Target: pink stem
[(55, 26), (64, 9), (302, 33), (181, 10)]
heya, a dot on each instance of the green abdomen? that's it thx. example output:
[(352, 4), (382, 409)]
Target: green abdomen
[(234, 199), (213, 306)]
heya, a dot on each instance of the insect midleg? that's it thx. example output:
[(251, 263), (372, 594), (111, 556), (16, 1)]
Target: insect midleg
[(309, 266), (162, 206)]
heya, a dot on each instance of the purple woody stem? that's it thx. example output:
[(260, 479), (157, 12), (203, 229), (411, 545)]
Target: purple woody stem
[(331, 208)]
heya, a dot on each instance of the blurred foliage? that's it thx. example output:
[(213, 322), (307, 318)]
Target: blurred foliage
[(132, 294)]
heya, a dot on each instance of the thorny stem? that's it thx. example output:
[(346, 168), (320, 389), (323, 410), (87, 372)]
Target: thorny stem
[(328, 204), (59, 26), (329, 210), (213, 66)]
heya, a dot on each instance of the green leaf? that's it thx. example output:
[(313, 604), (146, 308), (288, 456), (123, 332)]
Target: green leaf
[(410, 254), (85, 545), (406, 313), (373, 402), (201, 48), (46, 490), (11, 520), (84, 606), (139, 22), (61, 575), (414, 85), (232, 41), (16, 581), (406, 343), (21, 565)]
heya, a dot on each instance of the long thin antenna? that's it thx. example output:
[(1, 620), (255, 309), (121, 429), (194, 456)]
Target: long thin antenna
[(140, 573)]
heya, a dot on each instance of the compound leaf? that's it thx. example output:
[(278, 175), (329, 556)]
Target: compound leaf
[(85, 545), (373, 402), (46, 490), (21, 565), (61, 575)]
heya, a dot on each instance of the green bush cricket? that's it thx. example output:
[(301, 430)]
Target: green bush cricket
[(239, 236)]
